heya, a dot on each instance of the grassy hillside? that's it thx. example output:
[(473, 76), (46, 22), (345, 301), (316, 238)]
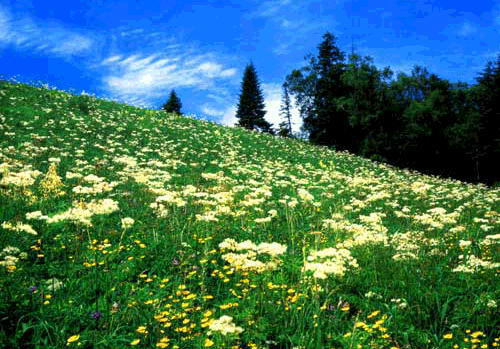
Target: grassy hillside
[(125, 227)]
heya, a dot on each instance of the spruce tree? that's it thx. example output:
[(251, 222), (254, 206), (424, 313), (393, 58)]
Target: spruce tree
[(328, 125), (317, 89), (250, 113), (285, 129), (173, 104), (488, 105)]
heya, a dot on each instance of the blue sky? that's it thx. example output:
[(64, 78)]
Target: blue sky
[(136, 51)]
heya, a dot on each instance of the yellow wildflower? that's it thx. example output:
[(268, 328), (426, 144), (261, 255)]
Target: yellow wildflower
[(73, 339)]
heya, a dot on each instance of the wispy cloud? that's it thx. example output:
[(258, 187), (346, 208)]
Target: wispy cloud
[(225, 116), (496, 15), (466, 29), (28, 33), (293, 22), (144, 78), (293, 32), (270, 8), (272, 101), (210, 111)]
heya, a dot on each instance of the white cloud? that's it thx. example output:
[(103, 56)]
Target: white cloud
[(225, 116), (272, 100), (271, 8), (214, 70), (148, 77), (111, 59), (466, 29), (29, 33), (132, 32), (229, 116), (211, 111), (294, 23), (4, 25)]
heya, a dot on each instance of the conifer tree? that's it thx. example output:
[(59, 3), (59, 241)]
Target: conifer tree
[(317, 88), (285, 129), (250, 113), (328, 125), (488, 104), (173, 104)]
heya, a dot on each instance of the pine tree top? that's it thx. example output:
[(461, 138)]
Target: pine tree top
[(250, 112), (173, 104)]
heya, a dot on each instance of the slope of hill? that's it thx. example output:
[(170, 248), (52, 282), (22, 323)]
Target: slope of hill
[(126, 227)]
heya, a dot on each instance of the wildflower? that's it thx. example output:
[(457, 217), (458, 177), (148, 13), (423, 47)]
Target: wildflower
[(19, 227), (135, 342), (34, 215), (225, 325), (375, 313), (96, 315), (53, 284), (51, 183), (345, 308), (305, 195), (142, 330), (73, 339), (329, 261), (208, 342), (491, 304), (247, 261), (448, 336), (464, 243), (263, 220), (127, 222)]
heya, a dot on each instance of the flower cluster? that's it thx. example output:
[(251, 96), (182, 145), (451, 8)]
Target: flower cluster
[(224, 325), (330, 261), (246, 258)]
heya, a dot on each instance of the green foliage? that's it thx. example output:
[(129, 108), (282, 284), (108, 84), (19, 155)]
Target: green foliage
[(419, 120), (173, 104), (250, 112), (153, 271), (285, 127), (83, 104), (317, 88)]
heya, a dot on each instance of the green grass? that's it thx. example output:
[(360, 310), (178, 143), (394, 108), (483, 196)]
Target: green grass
[(87, 280)]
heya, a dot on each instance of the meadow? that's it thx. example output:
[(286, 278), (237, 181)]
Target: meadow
[(122, 227)]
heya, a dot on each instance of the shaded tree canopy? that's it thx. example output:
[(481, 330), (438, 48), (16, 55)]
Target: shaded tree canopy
[(415, 120)]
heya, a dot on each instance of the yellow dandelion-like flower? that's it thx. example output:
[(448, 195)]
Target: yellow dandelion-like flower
[(135, 342), (448, 336), (73, 339), (375, 313), (142, 329)]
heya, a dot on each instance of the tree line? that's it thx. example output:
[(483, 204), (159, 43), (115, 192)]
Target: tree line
[(418, 120)]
